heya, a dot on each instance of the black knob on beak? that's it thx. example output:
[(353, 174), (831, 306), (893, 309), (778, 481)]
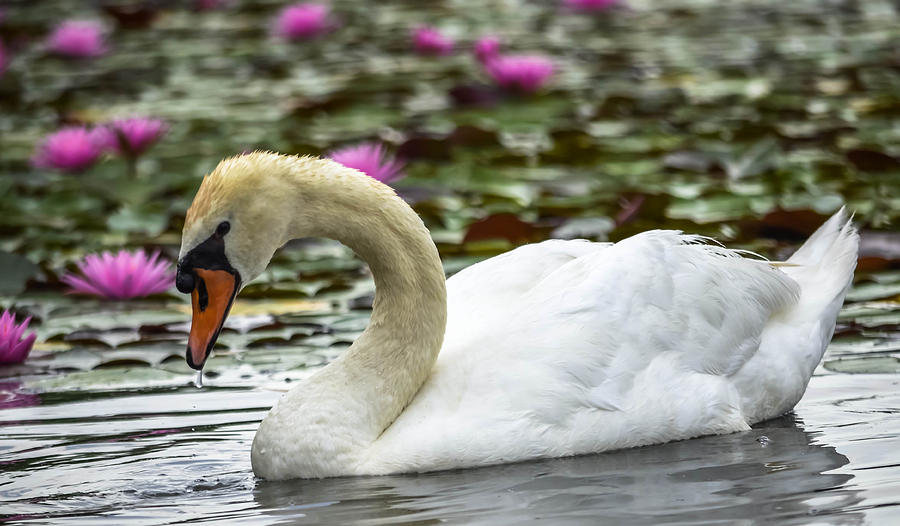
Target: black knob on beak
[(184, 281)]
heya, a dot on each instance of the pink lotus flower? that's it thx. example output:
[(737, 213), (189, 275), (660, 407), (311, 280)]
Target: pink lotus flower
[(590, 5), (71, 149), (121, 276), (14, 348), (78, 39), (524, 73), (487, 48), (132, 137), (302, 21), (429, 41), (370, 159)]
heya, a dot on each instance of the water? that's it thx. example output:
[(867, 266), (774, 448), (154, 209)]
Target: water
[(165, 456)]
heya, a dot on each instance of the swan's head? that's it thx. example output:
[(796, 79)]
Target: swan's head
[(246, 209), (235, 224)]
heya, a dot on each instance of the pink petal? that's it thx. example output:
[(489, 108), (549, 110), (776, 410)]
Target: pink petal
[(21, 350)]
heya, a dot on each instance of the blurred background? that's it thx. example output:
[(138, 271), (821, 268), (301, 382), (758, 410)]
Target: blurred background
[(749, 121), (501, 122)]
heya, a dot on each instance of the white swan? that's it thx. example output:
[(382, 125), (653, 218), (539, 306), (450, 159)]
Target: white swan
[(553, 349)]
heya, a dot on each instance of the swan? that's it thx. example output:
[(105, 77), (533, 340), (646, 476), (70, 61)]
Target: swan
[(553, 349)]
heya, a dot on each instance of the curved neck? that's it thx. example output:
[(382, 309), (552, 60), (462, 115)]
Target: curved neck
[(349, 403), (391, 360)]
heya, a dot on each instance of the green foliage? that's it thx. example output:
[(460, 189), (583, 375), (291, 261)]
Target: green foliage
[(745, 121)]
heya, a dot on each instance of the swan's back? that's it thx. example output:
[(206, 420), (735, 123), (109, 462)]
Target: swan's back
[(571, 347)]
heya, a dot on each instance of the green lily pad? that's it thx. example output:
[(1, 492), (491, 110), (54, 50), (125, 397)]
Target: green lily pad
[(868, 365), (595, 228), (107, 379), (149, 222), (720, 208), (16, 270), (874, 291), (107, 320)]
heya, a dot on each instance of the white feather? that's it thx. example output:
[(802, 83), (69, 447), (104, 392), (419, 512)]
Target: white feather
[(569, 347)]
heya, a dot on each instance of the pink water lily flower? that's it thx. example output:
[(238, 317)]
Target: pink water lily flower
[(121, 276), (77, 39), (132, 137), (429, 41), (370, 159), (590, 5), (72, 149), (523, 73), (487, 48), (302, 21), (13, 347)]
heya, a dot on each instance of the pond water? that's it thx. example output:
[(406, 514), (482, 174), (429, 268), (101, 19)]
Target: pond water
[(746, 121), (181, 455)]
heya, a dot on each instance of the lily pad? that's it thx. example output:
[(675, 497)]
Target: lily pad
[(595, 228), (15, 270), (874, 291), (107, 320), (149, 222), (107, 379), (868, 365)]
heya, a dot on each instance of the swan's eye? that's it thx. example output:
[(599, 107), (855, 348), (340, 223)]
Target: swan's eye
[(223, 228)]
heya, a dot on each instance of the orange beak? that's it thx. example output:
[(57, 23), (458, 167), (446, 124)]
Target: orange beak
[(211, 300)]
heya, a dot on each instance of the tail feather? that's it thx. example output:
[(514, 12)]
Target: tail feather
[(773, 381), (836, 239), (824, 267)]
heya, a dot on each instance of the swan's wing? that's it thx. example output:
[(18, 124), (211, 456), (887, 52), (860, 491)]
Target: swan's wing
[(608, 346), (514, 273), (491, 288), (602, 319), (616, 306)]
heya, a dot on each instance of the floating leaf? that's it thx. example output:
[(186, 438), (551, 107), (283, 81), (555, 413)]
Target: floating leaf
[(107, 320), (244, 308), (874, 291), (595, 228), (872, 161), (108, 379), (141, 221), (16, 270), (500, 226), (758, 158), (867, 365)]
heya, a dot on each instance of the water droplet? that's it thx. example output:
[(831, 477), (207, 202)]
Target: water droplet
[(198, 381)]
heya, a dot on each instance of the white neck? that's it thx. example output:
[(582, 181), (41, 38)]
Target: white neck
[(331, 419)]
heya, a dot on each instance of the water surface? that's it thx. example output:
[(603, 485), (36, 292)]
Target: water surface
[(167, 456)]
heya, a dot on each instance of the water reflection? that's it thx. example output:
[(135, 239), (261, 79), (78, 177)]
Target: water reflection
[(175, 456), (12, 394), (725, 478)]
